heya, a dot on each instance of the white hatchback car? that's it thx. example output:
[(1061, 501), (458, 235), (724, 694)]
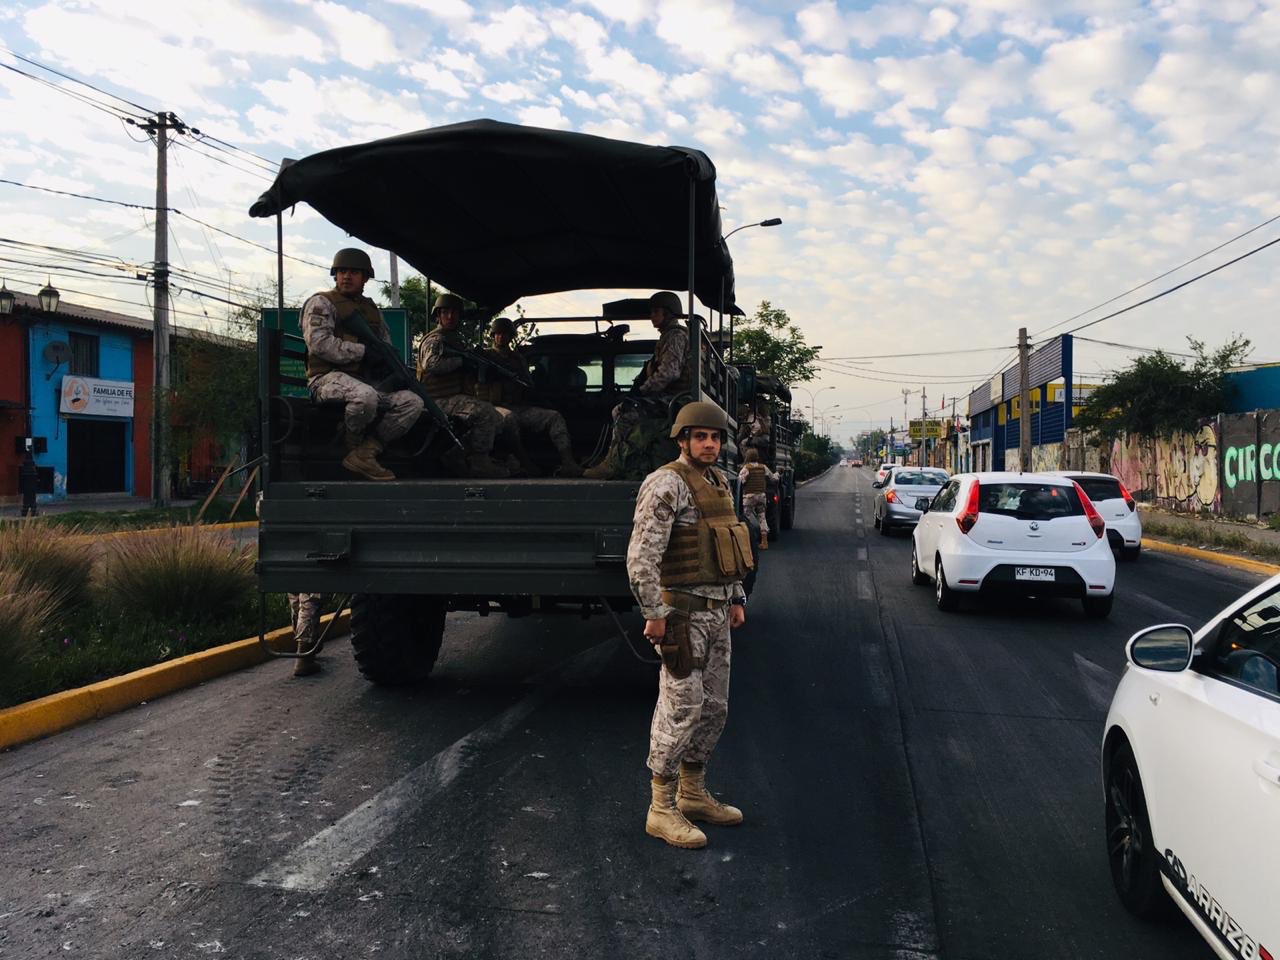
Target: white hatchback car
[(1027, 533), (1117, 506), (1191, 775)]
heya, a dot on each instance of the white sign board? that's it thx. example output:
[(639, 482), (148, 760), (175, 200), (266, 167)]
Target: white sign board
[(97, 398)]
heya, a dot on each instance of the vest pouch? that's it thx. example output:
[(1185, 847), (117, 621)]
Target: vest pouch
[(677, 647), (742, 541), (728, 544)]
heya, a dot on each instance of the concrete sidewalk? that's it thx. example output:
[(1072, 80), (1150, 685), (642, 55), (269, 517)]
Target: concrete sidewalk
[(1210, 526)]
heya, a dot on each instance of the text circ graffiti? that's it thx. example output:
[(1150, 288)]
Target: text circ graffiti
[(1248, 464)]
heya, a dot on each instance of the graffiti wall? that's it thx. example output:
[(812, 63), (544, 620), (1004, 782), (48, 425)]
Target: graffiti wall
[(1180, 473), (1251, 463)]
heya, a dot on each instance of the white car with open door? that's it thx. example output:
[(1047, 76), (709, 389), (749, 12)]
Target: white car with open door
[(1023, 533), (1191, 776)]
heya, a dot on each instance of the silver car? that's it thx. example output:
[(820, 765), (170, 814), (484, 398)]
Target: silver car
[(895, 504)]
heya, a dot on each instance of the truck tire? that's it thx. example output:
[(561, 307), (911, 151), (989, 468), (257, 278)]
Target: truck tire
[(773, 516), (789, 512), (395, 637)]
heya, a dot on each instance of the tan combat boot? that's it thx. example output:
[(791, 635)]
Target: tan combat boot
[(305, 666), (569, 467), (605, 469), (485, 467), (666, 822), (696, 803), (764, 541), (363, 461)]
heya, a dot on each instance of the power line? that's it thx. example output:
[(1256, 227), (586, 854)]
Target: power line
[(78, 196), (212, 143), (899, 373), (933, 353), (87, 101), (1201, 256), (226, 163), (83, 83), (863, 376), (1177, 287)]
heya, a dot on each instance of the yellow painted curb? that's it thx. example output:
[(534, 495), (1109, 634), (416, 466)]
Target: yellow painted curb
[(1226, 559), (61, 711), (116, 534)]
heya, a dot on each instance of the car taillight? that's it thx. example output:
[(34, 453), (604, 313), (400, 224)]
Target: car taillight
[(1091, 514), (890, 496), (969, 516), (1128, 498)]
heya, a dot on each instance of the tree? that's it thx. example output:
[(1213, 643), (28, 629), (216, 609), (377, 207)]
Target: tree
[(474, 325), (812, 453), (1158, 396), (774, 345)]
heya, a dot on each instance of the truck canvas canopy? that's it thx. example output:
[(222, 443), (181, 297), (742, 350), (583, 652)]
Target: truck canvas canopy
[(495, 211)]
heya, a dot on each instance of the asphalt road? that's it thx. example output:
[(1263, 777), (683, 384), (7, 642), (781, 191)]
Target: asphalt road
[(916, 784)]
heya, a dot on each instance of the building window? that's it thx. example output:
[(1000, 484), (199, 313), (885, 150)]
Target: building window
[(84, 354)]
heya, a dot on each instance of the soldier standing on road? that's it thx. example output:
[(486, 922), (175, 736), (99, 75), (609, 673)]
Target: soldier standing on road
[(336, 367), (304, 612), (507, 396), (444, 373), (754, 477), (665, 375), (686, 559)]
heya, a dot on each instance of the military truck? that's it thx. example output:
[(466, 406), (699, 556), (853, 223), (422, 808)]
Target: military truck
[(764, 415), (493, 212)]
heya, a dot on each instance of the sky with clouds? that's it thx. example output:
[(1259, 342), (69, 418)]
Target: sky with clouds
[(947, 171)]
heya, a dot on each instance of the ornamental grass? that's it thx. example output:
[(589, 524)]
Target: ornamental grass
[(182, 574), (53, 560), (25, 613)]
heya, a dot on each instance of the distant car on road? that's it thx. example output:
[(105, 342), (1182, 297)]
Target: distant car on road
[(855, 462), (1025, 533), (1118, 508), (883, 472), (895, 503), (1191, 775)]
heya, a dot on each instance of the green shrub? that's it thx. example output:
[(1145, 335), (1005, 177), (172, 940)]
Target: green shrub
[(182, 575), (1273, 521), (56, 561), (24, 613)]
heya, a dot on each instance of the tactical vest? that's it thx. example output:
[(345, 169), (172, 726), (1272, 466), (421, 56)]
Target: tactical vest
[(714, 550), (345, 307), (497, 388), (445, 384), (756, 475), (665, 344)]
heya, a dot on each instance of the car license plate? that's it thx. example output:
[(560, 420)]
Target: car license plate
[(1037, 574)]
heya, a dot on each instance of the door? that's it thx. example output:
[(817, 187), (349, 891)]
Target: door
[(96, 456)]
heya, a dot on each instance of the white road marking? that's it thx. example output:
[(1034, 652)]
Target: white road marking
[(319, 861), (862, 553), (864, 585)]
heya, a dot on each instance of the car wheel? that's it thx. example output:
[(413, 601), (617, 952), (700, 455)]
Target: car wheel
[(1131, 851), (1130, 553), (918, 576), (875, 520), (947, 598), (884, 526), (1098, 608)]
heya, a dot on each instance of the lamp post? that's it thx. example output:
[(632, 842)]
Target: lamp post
[(812, 396), (771, 222), (6, 300), (49, 298)]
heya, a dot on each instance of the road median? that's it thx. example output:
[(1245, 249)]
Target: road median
[(1212, 556), (70, 708)]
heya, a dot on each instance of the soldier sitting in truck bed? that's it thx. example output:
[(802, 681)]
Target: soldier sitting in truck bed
[(337, 368), (443, 370), (665, 376), (508, 397)]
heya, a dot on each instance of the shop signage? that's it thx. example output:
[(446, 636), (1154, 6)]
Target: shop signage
[(91, 397)]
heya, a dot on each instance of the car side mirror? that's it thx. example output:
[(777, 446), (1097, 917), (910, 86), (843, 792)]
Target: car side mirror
[(922, 504), (1166, 648)]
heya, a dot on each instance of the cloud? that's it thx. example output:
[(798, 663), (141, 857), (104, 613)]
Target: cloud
[(712, 31), (517, 27), (844, 84), (630, 12), (544, 116), (762, 72), (1075, 71), (507, 92), (824, 25), (306, 112), (450, 11), (1008, 149)]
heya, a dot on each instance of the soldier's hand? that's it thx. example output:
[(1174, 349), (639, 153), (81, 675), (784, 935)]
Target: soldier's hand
[(737, 616), (655, 630)]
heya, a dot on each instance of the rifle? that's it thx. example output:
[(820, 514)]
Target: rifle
[(480, 360), (379, 352)]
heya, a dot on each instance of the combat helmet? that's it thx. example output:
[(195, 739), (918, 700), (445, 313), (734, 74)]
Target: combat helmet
[(700, 414), (668, 301), (351, 258), (446, 300), (503, 325)]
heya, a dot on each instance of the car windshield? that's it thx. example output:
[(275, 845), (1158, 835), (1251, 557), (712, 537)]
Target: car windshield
[(1100, 488), (1027, 500), (917, 478)]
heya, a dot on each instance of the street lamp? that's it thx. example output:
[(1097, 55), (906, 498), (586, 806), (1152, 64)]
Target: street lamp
[(48, 298), (811, 398), (771, 222), (6, 299)]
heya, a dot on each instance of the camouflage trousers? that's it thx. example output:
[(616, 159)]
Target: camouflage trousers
[(481, 417), (535, 420), (640, 443), (755, 505), (691, 713), (362, 405), (304, 611)]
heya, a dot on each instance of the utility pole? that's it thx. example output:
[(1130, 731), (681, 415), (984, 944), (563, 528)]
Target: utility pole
[(395, 281), (1024, 402), (159, 129), (906, 421), (924, 427)]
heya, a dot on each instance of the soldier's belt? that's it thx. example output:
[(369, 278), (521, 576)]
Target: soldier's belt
[(688, 603)]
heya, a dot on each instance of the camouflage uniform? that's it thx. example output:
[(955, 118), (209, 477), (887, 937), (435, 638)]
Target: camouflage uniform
[(690, 713), (756, 504), (304, 611), (319, 318), (483, 421), (518, 415)]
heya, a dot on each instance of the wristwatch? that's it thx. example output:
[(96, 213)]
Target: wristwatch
[(738, 601)]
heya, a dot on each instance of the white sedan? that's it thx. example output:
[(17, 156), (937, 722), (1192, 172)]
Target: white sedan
[(1026, 533), (1191, 776)]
